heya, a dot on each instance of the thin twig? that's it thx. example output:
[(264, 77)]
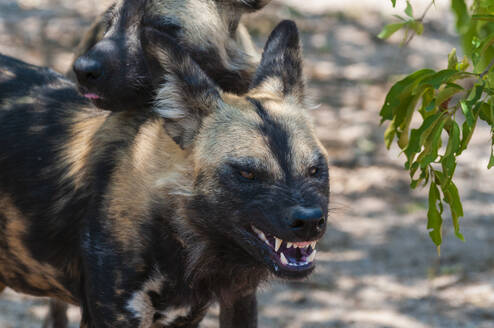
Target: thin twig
[(487, 69), (425, 11), (421, 19)]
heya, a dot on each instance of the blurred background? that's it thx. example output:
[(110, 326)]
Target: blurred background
[(376, 264)]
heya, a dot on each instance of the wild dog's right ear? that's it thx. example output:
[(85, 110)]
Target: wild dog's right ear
[(280, 71), (184, 93)]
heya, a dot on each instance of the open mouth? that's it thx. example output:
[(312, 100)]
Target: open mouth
[(293, 256)]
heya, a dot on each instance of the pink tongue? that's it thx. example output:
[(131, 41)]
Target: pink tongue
[(303, 243), (91, 96)]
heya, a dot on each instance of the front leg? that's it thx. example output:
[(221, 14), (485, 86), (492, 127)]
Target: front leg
[(111, 278), (242, 313), (57, 316)]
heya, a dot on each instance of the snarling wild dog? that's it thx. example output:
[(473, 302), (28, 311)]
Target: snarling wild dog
[(144, 218), (110, 68)]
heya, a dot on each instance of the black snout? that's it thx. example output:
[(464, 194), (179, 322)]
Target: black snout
[(88, 69), (306, 222)]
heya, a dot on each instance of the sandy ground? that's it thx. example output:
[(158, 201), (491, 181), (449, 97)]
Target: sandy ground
[(377, 266)]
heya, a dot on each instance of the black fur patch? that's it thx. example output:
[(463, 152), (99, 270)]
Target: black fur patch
[(277, 137), (282, 59)]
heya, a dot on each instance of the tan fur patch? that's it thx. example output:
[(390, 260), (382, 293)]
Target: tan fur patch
[(6, 75), (154, 164), (77, 151), (270, 88), (205, 25), (239, 138), (40, 276)]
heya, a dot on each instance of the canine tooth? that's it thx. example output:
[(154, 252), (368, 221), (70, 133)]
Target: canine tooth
[(289, 245), (277, 243), (313, 244), (311, 256), (284, 261)]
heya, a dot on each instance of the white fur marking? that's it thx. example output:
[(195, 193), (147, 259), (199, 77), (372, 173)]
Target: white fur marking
[(174, 313), (140, 304)]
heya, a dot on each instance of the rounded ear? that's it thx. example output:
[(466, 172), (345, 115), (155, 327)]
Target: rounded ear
[(184, 93), (281, 65)]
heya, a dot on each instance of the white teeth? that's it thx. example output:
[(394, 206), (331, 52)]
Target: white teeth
[(312, 256), (313, 245), (277, 244), (284, 261), (289, 245)]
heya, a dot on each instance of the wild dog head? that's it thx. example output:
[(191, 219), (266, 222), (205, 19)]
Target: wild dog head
[(260, 184), (112, 72)]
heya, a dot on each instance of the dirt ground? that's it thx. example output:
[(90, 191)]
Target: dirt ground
[(377, 266)]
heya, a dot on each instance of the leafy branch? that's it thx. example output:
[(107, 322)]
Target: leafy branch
[(448, 108), (412, 26)]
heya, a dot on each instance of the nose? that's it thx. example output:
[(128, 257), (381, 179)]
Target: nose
[(306, 222), (87, 69)]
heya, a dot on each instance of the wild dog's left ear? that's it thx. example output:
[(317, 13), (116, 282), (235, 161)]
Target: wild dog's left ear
[(184, 93), (280, 71), (252, 5)]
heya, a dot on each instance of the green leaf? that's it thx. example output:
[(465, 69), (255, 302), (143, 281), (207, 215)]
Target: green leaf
[(487, 113), (489, 18), (428, 103), (446, 94), (403, 119), (389, 30), (467, 111), (463, 65), (491, 159), (467, 132), (452, 59), (448, 165), (418, 137), (441, 77), (409, 10), (390, 134), (475, 94), (432, 143), (399, 92), (417, 26), (394, 3), (462, 17), (454, 138), (452, 197), (434, 220)]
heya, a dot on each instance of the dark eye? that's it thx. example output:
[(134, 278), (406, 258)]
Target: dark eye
[(248, 175), (313, 170), (170, 29)]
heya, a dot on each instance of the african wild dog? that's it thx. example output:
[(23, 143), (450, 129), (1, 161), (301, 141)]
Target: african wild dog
[(110, 68), (145, 217)]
